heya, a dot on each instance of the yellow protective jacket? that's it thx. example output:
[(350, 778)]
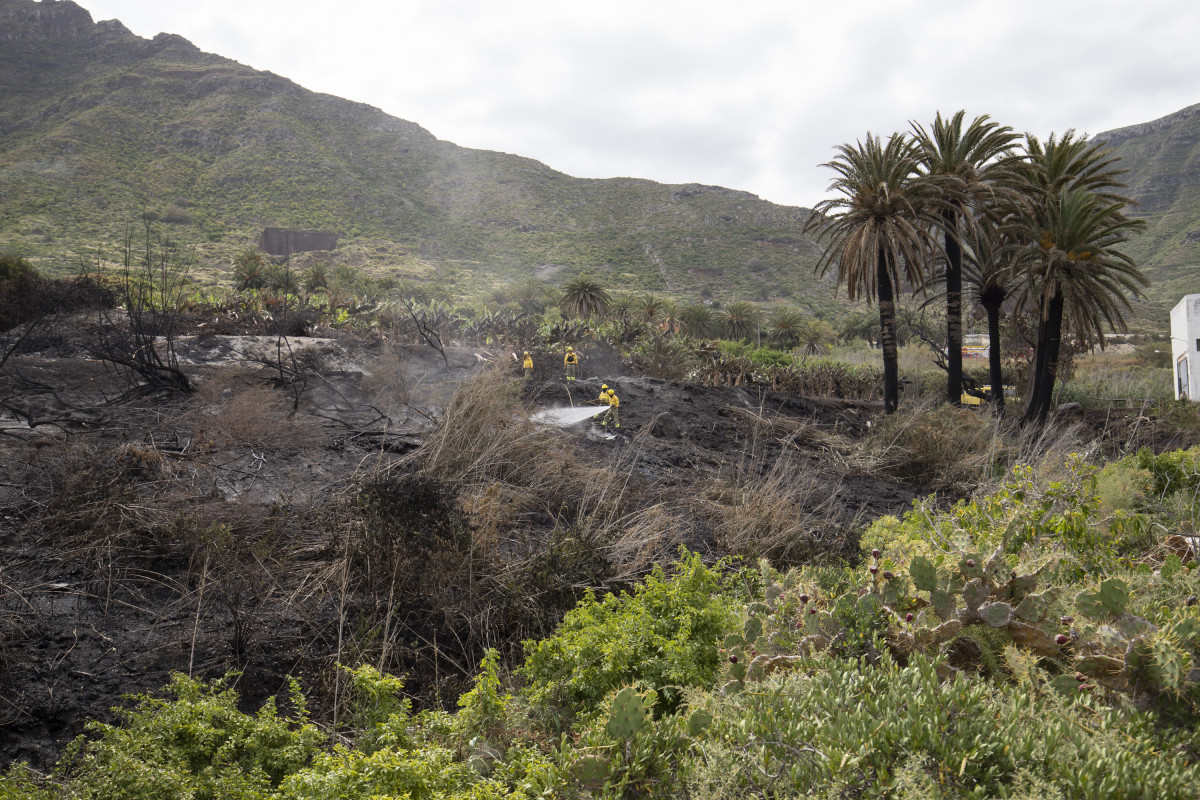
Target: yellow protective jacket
[(570, 358), (604, 399), (613, 400), (528, 362)]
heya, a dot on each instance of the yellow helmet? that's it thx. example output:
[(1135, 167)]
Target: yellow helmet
[(604, 386), (569, 348), (526, 352), (610, 391)]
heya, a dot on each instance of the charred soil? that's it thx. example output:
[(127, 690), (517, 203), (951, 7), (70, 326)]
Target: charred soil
[(309, 503)]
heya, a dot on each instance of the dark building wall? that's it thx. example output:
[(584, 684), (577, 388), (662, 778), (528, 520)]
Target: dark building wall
[(285, 241)]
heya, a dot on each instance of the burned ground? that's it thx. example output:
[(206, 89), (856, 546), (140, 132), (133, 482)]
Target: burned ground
[(302, 506)]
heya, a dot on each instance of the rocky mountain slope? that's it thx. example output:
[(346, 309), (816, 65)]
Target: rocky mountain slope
[(1163, 159), (99, 127)]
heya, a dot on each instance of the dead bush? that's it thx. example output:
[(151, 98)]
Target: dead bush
[(387, 384), (230, 414)]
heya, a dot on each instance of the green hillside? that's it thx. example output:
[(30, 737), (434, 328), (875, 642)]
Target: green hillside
[(99, 127), (1163, 159)]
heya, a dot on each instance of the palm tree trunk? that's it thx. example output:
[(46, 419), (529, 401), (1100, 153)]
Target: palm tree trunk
[(1046, 365), (887, 334), (995, 373), (953, 309)]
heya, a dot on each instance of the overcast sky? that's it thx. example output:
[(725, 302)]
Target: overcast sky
[(752, 94)]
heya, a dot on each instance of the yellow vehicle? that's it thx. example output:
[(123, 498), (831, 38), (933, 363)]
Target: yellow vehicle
[(1010, 393)]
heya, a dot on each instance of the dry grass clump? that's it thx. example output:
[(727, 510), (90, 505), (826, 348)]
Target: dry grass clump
[(787, 513), (791, 431), (485, 435), (944, 447), (482, 537)]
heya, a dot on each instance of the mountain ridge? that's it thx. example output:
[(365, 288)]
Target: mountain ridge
[(109, 126), (100, 127)]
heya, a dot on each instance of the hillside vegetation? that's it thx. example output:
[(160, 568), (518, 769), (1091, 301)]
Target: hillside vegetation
[(1163, 162), (99, 127)]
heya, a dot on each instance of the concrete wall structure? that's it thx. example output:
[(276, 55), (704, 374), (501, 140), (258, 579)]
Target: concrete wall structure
[(1185, 347), (285, 241)]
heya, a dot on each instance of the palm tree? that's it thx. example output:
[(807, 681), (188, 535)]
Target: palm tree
[(991, 279), (968, 167), (622, 308), (670, 318), (1067, 163), (1077, 275), (860, 326), (699, 321), (585, 297), (249, 270), (742, 320), (530, 295), (815, 336), (650, 309), (879, 231), (317, 278), (282, 279), (784, 325)]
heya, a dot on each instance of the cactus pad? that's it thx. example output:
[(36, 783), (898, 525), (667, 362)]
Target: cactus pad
[(968, 571), (628, 714), (943, 603), (752, 630), (946, 631), (1114, 594), (1019, 587), (1170, 665), (1032, 608), (1111, 639), (698, 722), (975, 593), (924, 574), (996, 570), (871, 602), (998, 614), (590, 770)]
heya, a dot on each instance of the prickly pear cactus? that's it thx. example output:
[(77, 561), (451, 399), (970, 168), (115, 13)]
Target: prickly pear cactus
[(996, 570), (998, 614), (590, 770), (1032, 608), (752, 630), (1107, 601), (975, 593), (628, 715), (923, 573), (698, 722), (943, 604)]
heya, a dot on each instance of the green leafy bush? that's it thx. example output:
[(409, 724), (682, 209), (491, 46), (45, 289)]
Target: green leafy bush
[(663, 635), (1175, 471), (850, 729), (196, 744)]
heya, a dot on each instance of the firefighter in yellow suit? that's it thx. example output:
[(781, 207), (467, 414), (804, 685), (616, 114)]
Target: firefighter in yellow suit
[(570, 362), (527, 365), (614, 410)]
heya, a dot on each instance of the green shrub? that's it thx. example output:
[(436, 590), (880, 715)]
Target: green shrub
[(663, 635), (849, 729), (1175, 471), (197, 744)]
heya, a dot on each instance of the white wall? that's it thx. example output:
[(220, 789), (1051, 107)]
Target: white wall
[(1185, 346)]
